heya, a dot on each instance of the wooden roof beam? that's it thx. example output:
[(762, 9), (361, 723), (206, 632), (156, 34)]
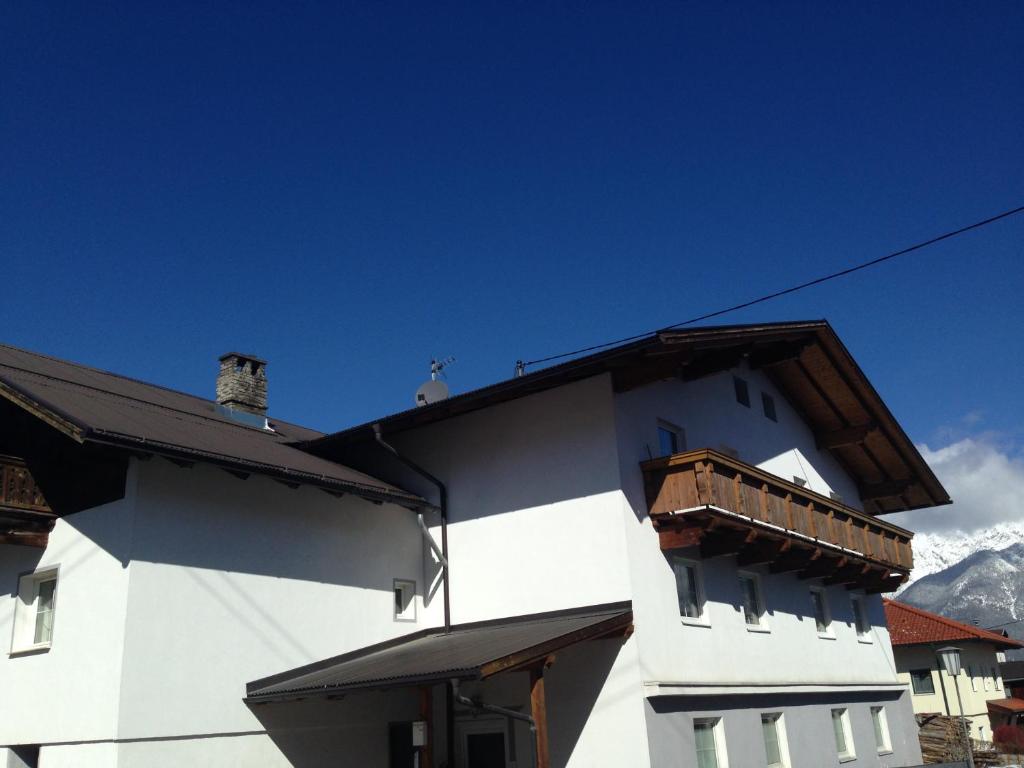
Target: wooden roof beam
[(763, 551), (794, 560), (725, 542), (847, 436), (823, 566), (884, 490)]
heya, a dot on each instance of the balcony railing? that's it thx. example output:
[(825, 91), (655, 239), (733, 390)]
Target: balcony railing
[(25, 517), (725, 506)]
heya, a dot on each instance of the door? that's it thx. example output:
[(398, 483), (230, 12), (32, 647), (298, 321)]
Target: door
[(482, 743)]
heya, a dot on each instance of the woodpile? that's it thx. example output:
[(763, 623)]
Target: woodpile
[(942, 741)]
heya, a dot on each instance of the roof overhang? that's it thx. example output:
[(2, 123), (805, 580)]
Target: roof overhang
[(806, 361)]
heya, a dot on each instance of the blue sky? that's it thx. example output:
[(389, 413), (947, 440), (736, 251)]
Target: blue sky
[(349, 190)]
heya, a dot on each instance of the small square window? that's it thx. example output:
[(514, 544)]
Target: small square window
[(742, 391), (689, 590), (768, 404), (860, 619), (776, 748), (921, 681), (843, 734), (405, 600), (35, 611), (822, 615), (671, 439), (881, 725), (709, 742), (753, 602)]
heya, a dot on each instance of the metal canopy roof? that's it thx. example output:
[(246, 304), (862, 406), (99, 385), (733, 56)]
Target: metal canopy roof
[(95, 406), (469, 651)]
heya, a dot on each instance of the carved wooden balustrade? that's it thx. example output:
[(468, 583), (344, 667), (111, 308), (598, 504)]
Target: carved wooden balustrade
[(725, 506), (25, 517)]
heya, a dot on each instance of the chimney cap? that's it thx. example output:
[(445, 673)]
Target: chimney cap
[(241, 356)]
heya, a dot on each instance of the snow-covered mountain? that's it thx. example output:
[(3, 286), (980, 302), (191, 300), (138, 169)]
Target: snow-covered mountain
[(934, 552), (986, 587)]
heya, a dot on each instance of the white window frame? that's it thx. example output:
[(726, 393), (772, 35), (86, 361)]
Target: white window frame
[(701, 619), (828, 633), (408, 587), (717, 724), (844, 719), (780, 735), (762, 613), (860, 608), (885, 748), (931, 677), (26, 609)]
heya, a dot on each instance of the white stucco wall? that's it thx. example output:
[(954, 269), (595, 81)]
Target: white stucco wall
[(70, 692)]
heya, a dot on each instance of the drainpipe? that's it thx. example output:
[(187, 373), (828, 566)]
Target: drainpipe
[(442, 494)]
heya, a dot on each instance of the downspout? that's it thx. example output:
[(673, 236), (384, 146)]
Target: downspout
[(442, 495)]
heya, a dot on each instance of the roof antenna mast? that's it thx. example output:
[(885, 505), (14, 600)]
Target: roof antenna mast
[(434, 390)]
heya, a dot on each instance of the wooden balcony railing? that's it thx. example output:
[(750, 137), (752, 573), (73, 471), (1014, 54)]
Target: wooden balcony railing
[(725, 506), (25, 517)]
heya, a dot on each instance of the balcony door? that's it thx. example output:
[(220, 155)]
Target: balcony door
[(483, 743)]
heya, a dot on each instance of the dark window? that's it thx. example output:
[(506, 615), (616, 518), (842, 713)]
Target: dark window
[(768, 403), (921, 680), (25, 756), (669, 440), (742, 391)]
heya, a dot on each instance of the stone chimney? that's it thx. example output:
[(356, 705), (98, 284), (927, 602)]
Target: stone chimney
[(242, 383)]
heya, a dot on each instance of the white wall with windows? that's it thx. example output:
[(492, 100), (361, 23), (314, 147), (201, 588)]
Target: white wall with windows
[(934, 691)]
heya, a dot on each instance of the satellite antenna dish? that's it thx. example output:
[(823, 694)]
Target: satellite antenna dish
[(434, 391)]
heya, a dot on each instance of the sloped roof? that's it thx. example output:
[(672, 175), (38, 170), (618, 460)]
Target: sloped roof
[(805, 360), (469, 651), (912, 626), (96, 406)]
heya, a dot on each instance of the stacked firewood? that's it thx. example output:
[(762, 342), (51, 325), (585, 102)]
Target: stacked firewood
[(942, 741)]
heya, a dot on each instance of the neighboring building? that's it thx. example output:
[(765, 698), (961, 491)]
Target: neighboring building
[(1013, 677), (916, 636), (668, 553)]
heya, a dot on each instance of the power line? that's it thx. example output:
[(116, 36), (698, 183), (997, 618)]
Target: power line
[(793, 289)]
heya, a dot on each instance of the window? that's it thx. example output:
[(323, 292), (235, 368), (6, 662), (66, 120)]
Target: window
[(844, 737), (35, 611), (753, 602), (995, 678), (860, 619), (822, 617), (742, 391), (988, 681), (405, 600), (776, 749), (710, 744), (971, 675), (689, 590), (670, 439), (768, 404), (881, 725), (921, 681)]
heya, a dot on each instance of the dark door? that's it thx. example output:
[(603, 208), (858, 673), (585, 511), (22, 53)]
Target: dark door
[(485, 750), (401, 752)]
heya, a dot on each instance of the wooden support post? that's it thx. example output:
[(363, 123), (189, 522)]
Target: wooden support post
[(426, 715), (539, 713)]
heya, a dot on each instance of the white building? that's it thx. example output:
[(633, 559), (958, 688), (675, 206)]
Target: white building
[(666, 554)]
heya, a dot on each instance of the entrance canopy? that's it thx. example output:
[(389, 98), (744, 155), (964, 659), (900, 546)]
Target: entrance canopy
[(473, 651)]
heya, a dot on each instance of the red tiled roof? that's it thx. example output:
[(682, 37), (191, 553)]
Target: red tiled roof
[(1007, 705), (912, 626)]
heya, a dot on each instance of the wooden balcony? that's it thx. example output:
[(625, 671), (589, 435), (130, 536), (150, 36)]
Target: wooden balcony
[(25, 517), (726, 507)]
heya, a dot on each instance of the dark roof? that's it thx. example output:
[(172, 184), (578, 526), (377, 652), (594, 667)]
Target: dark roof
[(469, 651), (91, 405), (1012, 671), (805, 360), (912, 626)]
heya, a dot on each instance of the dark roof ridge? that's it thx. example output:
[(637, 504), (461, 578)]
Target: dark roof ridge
[(107, 392)]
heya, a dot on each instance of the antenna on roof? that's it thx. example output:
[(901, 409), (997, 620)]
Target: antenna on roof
[(434, 391)]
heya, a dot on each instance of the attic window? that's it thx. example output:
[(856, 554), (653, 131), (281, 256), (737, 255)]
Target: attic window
[(742, 391)]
